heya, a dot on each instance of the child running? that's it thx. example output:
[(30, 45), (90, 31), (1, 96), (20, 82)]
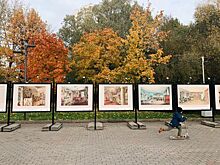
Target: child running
[(175, 122)]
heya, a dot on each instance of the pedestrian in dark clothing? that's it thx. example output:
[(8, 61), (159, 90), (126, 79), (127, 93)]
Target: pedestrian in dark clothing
[(175, 122)]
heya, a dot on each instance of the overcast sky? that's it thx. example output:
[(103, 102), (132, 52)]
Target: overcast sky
[(53, 11)]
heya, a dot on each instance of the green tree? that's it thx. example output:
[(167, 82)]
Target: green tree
[(70, 31), (108, 14), (177, 43), (205, 36), (114, 14), (188, 44)]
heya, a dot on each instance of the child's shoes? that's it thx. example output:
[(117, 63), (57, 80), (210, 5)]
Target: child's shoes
[(160, 130)]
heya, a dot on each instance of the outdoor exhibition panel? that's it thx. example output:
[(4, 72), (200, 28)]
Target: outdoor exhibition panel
[(193, 97), (3, 97), (31, 97), (115, 97), (74, 98), (154, 97), (217, 97)]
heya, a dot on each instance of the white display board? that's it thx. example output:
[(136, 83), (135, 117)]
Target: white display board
[(74, 97), (31, 97), (115, 97), (3, 97), (193, 97), (154, 97), (217, 97)]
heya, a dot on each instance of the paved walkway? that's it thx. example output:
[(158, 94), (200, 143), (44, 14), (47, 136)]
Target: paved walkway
[(115, 145)]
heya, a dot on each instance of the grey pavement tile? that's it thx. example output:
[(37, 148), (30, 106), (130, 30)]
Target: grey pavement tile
[(115, 145)]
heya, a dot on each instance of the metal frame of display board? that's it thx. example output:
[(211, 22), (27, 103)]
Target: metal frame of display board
[(172, 102), (135, 102), (49, 127), (213, 106), (49, 96), (131, 96), (91, 101), (212, 100), (174, 96), (9, 101), (95, 103), (7, 105), (10, 126), (53, 102), (96, 99)]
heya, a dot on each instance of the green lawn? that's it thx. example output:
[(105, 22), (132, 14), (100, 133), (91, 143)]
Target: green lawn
[(114, 116)]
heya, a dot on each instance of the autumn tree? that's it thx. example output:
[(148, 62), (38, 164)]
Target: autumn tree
[(96, 55), (21, 24), (143, 47), (48, 61), (103, 56)]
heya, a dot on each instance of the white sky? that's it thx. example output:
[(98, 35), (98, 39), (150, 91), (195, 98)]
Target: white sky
[(54, 11)]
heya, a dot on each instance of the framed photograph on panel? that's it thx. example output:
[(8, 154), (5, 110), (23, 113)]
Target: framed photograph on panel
[(154, 97), (31, 97), (74, 97), (3, 97), (193, 97), (217, 97), (115, 97)]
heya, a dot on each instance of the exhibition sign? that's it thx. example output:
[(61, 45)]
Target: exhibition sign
[(116, 97), (31, 97), (3, 97), (154, 97), (193, 97), (74, 97)]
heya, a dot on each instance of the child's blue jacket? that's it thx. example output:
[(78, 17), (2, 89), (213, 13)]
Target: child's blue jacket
[(177, 118)]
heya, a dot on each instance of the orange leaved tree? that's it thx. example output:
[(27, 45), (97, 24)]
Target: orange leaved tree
[(48, 61), (20, 25)]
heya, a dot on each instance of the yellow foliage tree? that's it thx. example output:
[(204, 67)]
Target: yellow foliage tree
[(97, 54), (103, 56), (142, 47)]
